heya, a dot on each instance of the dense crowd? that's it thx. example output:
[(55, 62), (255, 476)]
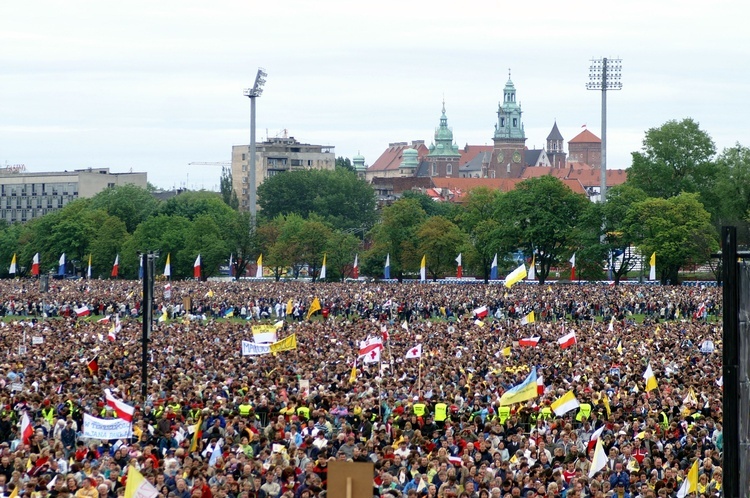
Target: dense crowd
[(432, 426)]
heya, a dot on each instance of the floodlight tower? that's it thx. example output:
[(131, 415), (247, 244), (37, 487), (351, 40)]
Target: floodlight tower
[(252, 93), (604, 74)]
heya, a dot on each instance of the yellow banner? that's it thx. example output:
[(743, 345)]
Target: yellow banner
[(286, 344), (263, 329)]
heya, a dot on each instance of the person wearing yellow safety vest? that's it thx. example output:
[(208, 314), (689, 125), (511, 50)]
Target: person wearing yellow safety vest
[(584, 412), (48, 412), (503, 413), (441, 414), (419, 408), (245, 408), (303, 412)]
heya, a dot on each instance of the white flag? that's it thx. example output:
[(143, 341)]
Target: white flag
[(415, 352)]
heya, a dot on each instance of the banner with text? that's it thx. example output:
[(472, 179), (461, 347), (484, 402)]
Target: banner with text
[(99, 428), (264, 333), (252, 349)]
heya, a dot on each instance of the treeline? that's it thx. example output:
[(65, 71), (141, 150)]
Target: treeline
[(678, 193)]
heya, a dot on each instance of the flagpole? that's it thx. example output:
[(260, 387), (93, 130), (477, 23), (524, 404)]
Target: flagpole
[(419, 385)]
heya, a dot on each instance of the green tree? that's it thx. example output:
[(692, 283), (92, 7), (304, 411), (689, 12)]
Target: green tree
[(728, 199), (448, 210), (677, 229), (478, 219), (345, 163), (242, 240), (106, 244), (192, 204), (205, 237), (10, 236), (396, 235), (676, 157), (166, 234), (340, 255), (541, 215), (276, 255), (440, 241), (228, 195), (129, 203), (338, 197)]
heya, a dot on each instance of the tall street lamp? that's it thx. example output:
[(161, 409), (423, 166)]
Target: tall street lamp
[(604, 74), (252, 93)]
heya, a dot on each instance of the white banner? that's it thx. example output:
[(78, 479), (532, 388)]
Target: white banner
[(99, 428), (37, 340), (252, 349)]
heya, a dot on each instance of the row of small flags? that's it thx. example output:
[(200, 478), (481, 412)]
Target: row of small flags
[(515, 276)]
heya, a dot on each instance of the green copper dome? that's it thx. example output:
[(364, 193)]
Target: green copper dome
[(358, 162), (409, 159), (444, 145)]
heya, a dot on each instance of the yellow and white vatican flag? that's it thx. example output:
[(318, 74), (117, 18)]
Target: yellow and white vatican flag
[(137, 485)]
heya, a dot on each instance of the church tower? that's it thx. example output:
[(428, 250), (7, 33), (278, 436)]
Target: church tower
[(443, 157), (556, 148), (510, 139)]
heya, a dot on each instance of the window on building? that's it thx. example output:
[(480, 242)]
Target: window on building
[(502, 122), (243, 156), (110, 185), (449, 169), (492, 173), (434, 169), (515, 122), (309, 162), (296, 162)]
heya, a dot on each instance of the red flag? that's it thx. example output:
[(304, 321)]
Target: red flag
[(529, 342), (93, 365), (35, 265), (82, 311), (481, 312), (567, 340), (27, 430), (459, 269), (539, 385), (573, 267), (122, 409), (197, 267), (116, 266)]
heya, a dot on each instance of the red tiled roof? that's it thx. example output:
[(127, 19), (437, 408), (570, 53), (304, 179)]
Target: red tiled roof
[(592, 177), (585, 137), (471, 151), (390, 159), (537, 171), (502, 184)]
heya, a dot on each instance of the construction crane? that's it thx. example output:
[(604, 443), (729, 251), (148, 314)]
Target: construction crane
[(218, 163)]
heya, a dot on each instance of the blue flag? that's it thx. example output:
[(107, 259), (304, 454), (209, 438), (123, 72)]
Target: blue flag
[(493, 269), (388, 266)]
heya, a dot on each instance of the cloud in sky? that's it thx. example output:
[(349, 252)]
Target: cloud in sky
[(152, 86)]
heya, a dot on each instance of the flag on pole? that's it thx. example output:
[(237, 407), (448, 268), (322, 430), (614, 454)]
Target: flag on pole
[(121, 409), (506, 351), (27, 430), (415, 352), (12, 269), (529, 342), (459, 270), (573, 267), (690, 484), (539, 385), (323, 269), (82, 311), (565, 403), (35, 265), (355, 268), (93, 365), (197, 434), (387, 270), (314, 306), (651, 383), (137, 486), (353, 375), (423, 269), (611, 327), (532, 268), (197, 267), (115, 267), (88, 271), (493, 269), (231, 264), (481, 312), (599, 460), (652, 272), (167, 267), (369, 350), (524, 391), (61, 265), (528, 319), (259, 267), (111, 335), (140, 268), (515, 276), (596, 435), (216, 453), (567, 340)]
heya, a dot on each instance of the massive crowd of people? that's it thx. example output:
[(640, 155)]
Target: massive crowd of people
[(432, 426)]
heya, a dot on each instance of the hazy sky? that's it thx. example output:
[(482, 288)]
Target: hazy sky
[(151, 86)]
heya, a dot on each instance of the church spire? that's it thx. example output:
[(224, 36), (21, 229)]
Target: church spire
[(509, 112), (444, 145)]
